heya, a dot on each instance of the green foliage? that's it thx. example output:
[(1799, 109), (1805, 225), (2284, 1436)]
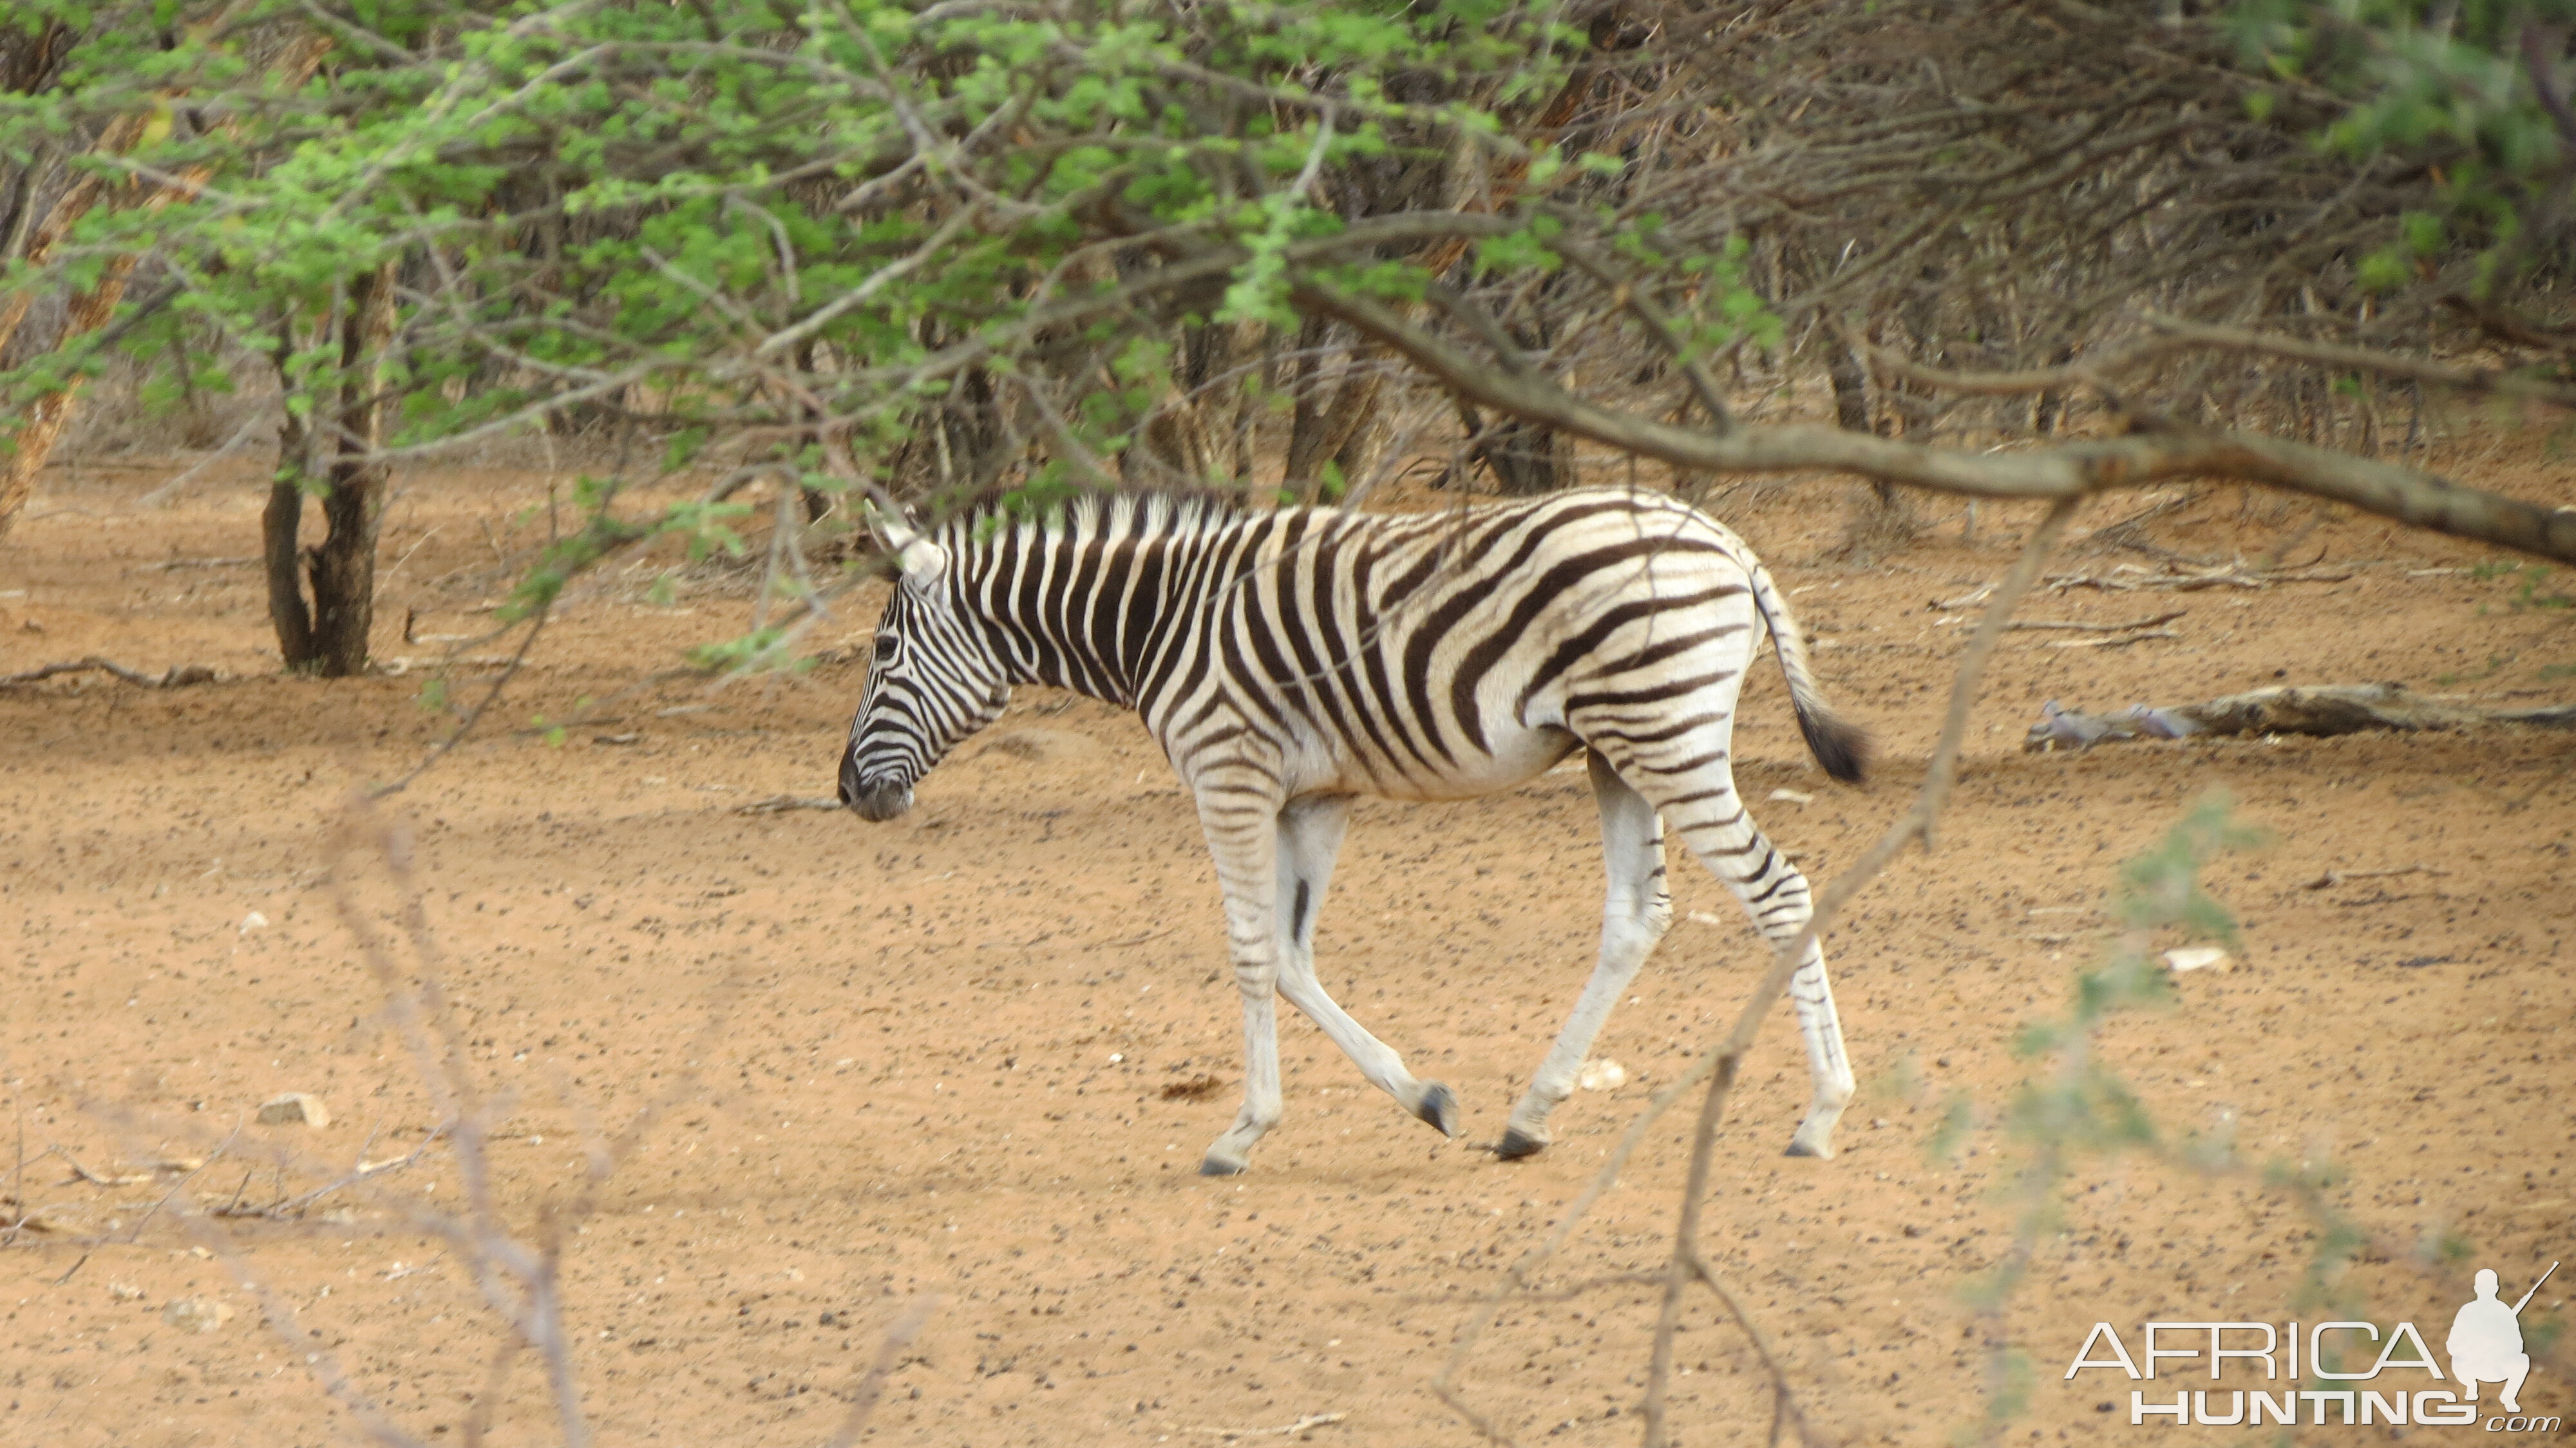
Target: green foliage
[(2080, 1106), (2478, 92), (725, 219)]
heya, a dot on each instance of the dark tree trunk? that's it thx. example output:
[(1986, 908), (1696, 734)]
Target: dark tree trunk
[(1200, 436), (1526, 458), (1851, 389), (328, 636), (277, 527)]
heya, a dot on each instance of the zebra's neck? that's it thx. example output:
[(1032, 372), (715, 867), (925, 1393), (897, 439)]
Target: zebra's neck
[(1086, 599)]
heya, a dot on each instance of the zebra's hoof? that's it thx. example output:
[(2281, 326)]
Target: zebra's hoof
[(1213, 1165), (1818, 1144), (1439, 1108), (1517, 1143)]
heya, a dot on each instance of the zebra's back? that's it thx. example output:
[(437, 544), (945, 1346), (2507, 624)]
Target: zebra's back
[(1448, 654)]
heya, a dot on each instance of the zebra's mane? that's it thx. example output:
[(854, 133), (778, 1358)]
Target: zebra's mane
[(1142, 510)]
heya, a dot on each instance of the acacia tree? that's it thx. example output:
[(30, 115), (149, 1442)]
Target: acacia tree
[(1044, 247)]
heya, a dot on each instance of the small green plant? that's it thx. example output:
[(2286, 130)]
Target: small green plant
[(2530, 596), (2495, 665), (2079, 1106), (2527, 579)]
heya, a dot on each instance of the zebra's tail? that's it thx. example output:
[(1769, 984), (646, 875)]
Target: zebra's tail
[(1841, 746)]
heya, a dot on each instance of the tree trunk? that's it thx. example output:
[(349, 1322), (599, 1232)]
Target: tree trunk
[(344, 567), (328, 636), (1851, 389), (35, 438), (1886, 522), (287, 614), (33, 443)]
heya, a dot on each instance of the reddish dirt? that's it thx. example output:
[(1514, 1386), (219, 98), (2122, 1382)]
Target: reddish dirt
[(949, 1056)]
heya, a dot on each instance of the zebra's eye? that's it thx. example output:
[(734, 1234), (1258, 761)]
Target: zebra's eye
[(887, 645)]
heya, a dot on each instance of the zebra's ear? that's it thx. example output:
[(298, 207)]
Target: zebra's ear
[(895, 534), (920, 559)]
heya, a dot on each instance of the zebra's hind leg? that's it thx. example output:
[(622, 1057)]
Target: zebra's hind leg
[(1310, 838), (1633, 918), (1704, 809)]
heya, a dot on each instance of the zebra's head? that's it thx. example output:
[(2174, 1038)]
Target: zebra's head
[(934, 680)]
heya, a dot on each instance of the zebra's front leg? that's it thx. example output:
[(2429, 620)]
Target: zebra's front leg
[(1310, 838), (1240, 821), (1633, 917)]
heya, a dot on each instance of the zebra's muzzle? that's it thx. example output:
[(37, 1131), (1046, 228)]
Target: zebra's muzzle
[(880, 799)]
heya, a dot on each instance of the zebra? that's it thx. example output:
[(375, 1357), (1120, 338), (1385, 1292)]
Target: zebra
[(1291, 659)]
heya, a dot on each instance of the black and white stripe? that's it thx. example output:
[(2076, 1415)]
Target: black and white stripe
[(1288, 661)]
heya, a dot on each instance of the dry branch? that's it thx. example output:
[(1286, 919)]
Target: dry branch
[(173, 564), (2332, 878), (1311, 1420), (2116, 641), (2158, 451), (863, 1398), (782, 803), (177, 676), (2131, 626), (2366, 359), (2312, 709), (2128, 578)]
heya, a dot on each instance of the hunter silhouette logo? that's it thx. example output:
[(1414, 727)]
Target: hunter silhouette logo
[(2331, 1374), (2486, 1341)]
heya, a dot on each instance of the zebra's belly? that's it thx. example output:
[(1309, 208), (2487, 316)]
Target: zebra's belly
[(1520, 756)]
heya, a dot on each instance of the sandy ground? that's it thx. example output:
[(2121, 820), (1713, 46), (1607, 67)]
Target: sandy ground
[(974, 1054)]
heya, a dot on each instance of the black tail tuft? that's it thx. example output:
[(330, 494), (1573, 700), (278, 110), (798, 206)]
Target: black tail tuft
[(1840, 746)]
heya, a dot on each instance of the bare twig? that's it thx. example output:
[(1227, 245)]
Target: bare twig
[(169, 491), (782, 803), (2364, 359), (863, 1398), (1311, 1420), (177, 676), (2117, 641), (2131, 626), (464, 727), (285, 1207), (172, 565), (2332, 878), (182, 1183)]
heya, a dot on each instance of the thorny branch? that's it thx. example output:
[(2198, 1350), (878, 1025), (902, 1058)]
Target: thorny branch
[(2177, 335)]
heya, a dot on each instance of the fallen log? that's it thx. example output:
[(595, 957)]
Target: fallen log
[(2311, 709)]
